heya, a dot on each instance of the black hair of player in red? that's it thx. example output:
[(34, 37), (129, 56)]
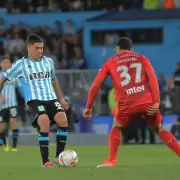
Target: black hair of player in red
[(124, 43), (33, 38)]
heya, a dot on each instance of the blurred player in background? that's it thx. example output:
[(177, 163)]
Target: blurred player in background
[(8, 105), (137, 93), (42, 94)]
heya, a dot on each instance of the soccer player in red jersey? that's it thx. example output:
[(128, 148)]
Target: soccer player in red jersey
[(137, 93)]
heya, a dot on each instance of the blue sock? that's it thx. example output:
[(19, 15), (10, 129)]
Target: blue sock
[(1, 142), (44, 149), (3, 138), (61, 139)]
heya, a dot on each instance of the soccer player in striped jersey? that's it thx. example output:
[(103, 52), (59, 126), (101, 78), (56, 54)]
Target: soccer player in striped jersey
[(8, 106), (42, 94)]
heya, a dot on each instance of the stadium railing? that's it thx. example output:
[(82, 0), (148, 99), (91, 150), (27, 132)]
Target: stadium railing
[(76, 83)]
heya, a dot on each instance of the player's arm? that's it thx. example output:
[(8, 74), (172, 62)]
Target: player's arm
[(153, 85), (152, 80), (59, 94), (55, 82), (57, 89), (2, 81), (14, 72), (56, 86), (100, 78)]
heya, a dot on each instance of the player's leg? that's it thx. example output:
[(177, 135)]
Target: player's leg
[(1, 142), (115, 137), (114, 143), (62, 131), (44, 126), (15, 133), (14, 127), (114, 140), (41, 119), (166, 136), (3, 128)]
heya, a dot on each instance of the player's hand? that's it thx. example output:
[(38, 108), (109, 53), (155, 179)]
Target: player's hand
[(153, 109), (65, 104), (2, 100), (87, 113)]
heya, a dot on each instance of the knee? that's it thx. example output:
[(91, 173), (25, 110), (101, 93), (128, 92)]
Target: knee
[(43, 122), (61, 119), (157, 129), (116, 125), (3, 127), (13, 122)]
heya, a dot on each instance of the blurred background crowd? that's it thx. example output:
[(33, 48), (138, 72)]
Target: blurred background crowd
[(31, 6), (64, 44)]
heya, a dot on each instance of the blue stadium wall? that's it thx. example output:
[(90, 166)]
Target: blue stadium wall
[(163, 56), (40, 19)]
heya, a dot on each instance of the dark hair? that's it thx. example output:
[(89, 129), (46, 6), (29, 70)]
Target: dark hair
[(5, 57), (124, 43), (33, 38)]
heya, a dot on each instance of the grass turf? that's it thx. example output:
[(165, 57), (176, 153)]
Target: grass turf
[(134, 163)]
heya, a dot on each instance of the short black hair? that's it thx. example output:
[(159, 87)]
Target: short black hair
[(124, 43), (33, 38)]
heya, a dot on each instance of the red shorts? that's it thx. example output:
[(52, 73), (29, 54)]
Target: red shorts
[(125, 115)]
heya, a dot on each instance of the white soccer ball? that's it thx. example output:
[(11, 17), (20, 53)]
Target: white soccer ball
[(68, 158)]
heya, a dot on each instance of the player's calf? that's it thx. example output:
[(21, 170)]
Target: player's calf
[(62, 132), (15, 133), (43, 122), (114, 143), (3, 127)]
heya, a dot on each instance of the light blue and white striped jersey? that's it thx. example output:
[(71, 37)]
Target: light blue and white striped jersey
[(9, 93), (35, 76)]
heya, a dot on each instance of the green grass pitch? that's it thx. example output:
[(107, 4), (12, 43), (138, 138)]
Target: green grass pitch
[(134, 163)]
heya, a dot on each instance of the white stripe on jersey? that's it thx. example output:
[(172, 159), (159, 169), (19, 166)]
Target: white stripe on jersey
[(35, 83), (41, 83), (49, 82), (27, 71)]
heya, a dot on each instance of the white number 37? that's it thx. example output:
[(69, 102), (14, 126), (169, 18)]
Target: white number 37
[(125, 73)]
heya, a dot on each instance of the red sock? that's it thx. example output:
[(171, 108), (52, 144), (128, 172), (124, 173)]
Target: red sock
[(114, 142), (170, 141)]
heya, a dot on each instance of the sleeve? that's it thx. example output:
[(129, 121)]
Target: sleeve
[(152, 80), (100, 78), (14, 72), (53, 71)]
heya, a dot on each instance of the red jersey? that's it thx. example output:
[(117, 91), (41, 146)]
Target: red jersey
[(133, 78)]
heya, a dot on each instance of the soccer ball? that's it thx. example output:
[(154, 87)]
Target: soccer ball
[(68, 158)]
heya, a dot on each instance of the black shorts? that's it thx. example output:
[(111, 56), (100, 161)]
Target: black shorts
[(37, 108), (8, 113)]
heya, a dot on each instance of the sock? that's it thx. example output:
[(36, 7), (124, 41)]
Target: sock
[(3, 138), (170, 141), (61, 139), (15, 133), (43, 143), (114, 142), (1, 142)]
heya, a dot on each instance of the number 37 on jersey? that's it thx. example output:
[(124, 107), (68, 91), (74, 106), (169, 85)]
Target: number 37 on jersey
[(126, 73)]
